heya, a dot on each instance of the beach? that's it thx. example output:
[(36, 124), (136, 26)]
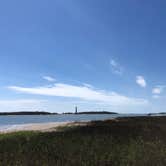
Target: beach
[(123, 141), (42, 127)]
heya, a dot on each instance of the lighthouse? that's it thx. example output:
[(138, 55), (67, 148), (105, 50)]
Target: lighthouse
[(76, 110)]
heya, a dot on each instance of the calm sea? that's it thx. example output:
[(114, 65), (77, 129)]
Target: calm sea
[(12, 121)]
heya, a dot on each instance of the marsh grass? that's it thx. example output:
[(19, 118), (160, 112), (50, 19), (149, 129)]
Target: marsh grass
[(124, 142)]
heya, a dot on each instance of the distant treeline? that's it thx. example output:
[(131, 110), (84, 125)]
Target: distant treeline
[(49, 113), (160, 113), (92, 112), (27, 113)]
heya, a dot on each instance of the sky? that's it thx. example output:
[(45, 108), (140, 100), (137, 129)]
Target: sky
[(99, 55)]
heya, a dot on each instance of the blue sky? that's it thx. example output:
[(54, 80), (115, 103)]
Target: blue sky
[(99, 55)]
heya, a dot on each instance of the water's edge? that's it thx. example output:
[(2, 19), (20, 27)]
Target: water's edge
[(15, 122)]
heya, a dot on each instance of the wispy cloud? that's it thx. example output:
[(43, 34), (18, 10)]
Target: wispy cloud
[(88, 85), (48, 78), (81, 92), (21, 105), (156, 96), (157, 90), (141, 81), (116, 67)]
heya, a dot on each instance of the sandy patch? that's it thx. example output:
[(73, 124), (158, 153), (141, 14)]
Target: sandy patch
[(43, 127)]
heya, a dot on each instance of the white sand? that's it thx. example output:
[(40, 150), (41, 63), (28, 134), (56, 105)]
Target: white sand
[(51, 126)]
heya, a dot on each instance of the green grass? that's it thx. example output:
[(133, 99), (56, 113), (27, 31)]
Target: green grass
[(126, 142)]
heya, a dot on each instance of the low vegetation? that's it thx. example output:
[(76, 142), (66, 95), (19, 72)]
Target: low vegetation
[(26, 113), (137, 141)]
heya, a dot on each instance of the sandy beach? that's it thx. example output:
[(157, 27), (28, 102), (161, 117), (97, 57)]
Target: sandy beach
[(43, 127)]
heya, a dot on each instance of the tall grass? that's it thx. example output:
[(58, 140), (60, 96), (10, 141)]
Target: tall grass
[(125, 142)]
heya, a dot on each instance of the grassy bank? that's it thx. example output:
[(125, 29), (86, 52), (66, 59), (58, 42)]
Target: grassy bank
[(124, 142)]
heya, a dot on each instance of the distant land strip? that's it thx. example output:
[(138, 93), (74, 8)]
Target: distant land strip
[(49, 113)]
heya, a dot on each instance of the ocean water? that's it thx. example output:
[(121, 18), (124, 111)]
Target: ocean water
[(14, 121)]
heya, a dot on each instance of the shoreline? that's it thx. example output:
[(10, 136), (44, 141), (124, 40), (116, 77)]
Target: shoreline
[(42, 127), (130, 138), (53, 126)]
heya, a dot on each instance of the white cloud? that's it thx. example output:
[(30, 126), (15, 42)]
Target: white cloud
[(21, 105), (48, 78), (157, 90), (81, 92), (116, 67), (141, 81)]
